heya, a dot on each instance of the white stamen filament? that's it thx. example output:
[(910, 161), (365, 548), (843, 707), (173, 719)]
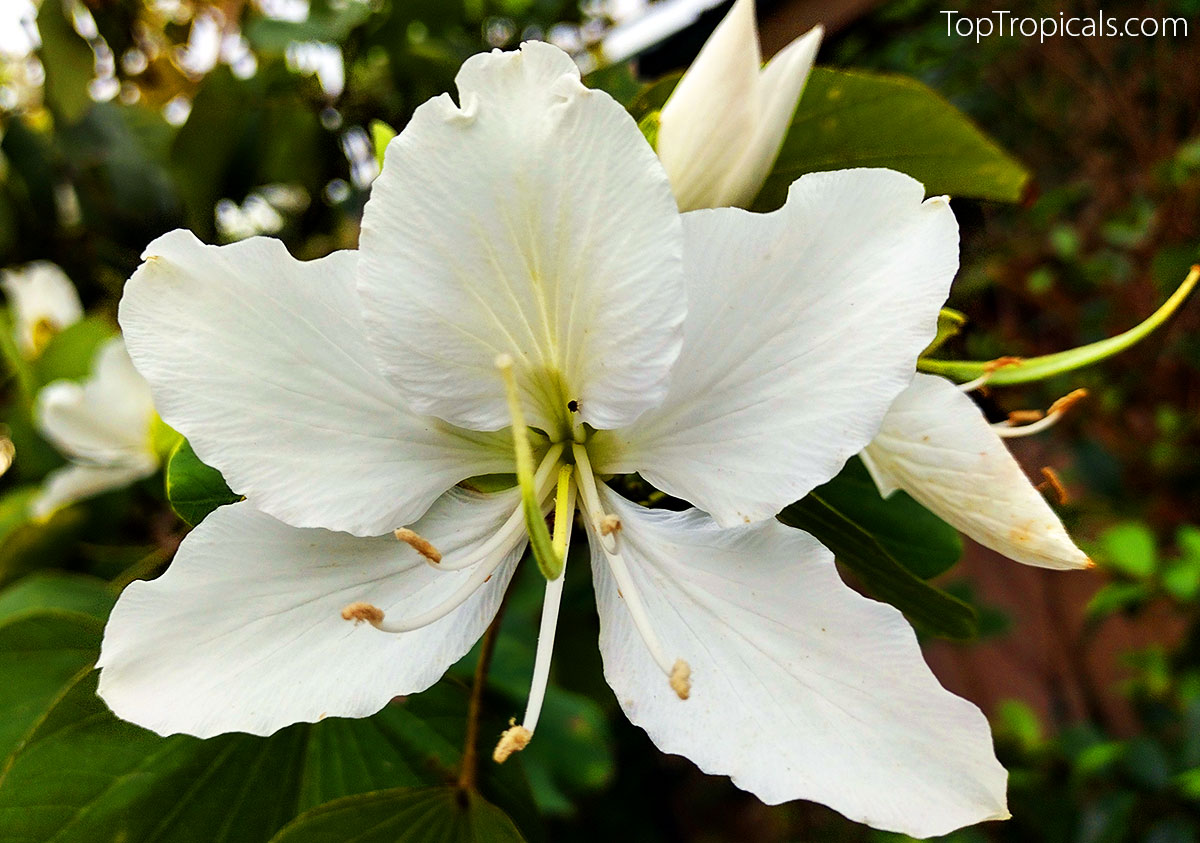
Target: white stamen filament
[(971, 386), (549, 624), (543, 481), (590, 498), (677, 671)]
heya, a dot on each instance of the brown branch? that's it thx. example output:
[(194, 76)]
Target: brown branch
[(470, 756)]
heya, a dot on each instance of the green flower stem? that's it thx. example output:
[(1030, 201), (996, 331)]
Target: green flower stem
[(1039, 368), (549, 562)]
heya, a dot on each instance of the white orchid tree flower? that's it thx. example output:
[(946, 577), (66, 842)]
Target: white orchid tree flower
[(721, 130), (527, 292), (105, 426), (937, 445), (43, 302)]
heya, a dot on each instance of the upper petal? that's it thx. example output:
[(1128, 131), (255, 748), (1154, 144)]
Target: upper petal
[(244, 631), (711, 117), (533, 220), (801, 688), (803, 326), (106, 419), (259, 359), (936, 445)]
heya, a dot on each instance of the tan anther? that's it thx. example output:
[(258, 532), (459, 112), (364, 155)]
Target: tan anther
[(1025, 416), (1053, 483), (420, 544), (514, 739), (1067, 401), (610, 524), (1002, 363), (681, 679), (359, 612)]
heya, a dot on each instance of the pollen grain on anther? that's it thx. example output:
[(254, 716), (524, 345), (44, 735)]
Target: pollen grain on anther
[(420, 544), (681, 679), (609, 525), (514, 739), (360, 611)]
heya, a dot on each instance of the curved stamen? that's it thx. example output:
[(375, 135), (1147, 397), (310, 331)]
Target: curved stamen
[(590, 498), (1057, 410), (677, 671), (517, 737), (515, 523)]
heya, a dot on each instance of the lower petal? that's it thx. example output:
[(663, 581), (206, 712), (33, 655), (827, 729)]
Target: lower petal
[(244, 631), (936, 445), (801, 688)]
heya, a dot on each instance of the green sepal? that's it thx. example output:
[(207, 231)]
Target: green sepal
[(1047, 366)]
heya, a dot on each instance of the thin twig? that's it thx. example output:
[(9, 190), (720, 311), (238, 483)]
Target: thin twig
[(470, 755)]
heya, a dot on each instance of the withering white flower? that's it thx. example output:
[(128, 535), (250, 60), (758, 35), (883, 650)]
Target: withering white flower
[(104, 426), (42, 301)]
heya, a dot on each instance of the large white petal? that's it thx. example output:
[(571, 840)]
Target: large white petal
[(71, 483), (244, 631), (259, 359), (801, 688), (803, 326), (710, 120), (106, 419), (534, 220), (936, 445)]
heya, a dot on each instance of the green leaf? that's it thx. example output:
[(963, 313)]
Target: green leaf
[(68, 61), (41, 655), (857, 119), (1116, 597), (1039, 368), (193, 488), (930, 608), (1129, 549), (381, 136), (56, 590), (914, 536), (70, 772), (441, 814)]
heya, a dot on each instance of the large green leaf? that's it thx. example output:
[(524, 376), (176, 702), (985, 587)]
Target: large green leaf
[(70, 354), (70, 772), (856, 119), (929, 608), (194, 488), (68, 61), (45, 590), (914, 536), (431, 815)]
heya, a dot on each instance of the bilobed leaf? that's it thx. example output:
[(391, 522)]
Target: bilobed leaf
[(929, 608), (857, 119), (70, 772), (441, 814), (194, 488), (917, 539)]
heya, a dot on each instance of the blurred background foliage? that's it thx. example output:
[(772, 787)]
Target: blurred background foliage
[(236, 118)]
